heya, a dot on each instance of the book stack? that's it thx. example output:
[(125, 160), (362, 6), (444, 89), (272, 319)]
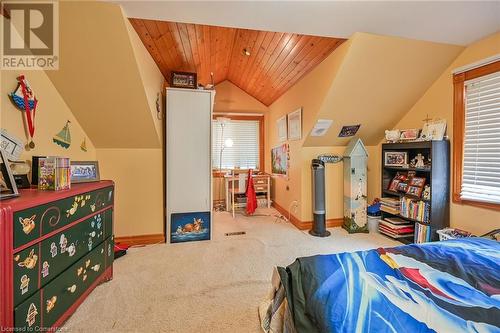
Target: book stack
[(396, 227), (422, 233), (413, 209), (390, 205)]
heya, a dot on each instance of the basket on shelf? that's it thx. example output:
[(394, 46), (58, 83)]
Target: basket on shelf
[(452, 233)]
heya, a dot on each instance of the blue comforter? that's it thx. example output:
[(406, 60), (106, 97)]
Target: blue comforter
[(451, 286)]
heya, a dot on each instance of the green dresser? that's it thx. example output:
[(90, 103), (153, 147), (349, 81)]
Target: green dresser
[(56, 248)]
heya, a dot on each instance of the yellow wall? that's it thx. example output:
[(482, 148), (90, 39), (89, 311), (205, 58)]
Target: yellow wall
[(51, 115), (437, 102), (138, 176), (308, 93), (231, 99), (369, 80)]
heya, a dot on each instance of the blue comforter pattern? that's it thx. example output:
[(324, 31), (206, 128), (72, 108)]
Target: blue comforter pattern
[(451, 286)]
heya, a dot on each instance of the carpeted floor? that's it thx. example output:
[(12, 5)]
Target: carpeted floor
[(211, 286)]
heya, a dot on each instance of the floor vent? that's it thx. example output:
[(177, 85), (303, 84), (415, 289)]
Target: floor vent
[(235, 233)]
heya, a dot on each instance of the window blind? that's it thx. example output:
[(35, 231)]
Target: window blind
[(481, 162), (244, 153)]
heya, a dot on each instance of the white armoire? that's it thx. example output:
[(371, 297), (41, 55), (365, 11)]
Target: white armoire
[(188, 144)]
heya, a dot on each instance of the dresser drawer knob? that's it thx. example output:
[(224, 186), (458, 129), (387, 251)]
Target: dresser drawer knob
[(72, 289)]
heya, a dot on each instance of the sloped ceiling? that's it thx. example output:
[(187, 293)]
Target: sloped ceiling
[(99, 79), (275, 63), (379, 80)]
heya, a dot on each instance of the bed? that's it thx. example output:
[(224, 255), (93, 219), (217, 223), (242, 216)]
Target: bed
[(450, 286)]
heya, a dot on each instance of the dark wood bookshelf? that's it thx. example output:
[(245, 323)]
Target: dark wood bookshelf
[(437, 176)]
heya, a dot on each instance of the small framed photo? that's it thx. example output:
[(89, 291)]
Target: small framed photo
[(84, 172), (295, 125), (434, 130), (402, 187), (184, 80), (395, 158), (394, 185), (417, 181), (414, 190), (8, 188), (409, 134)]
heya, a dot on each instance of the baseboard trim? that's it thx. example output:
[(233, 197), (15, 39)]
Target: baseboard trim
[(306, 225), (140, 239)]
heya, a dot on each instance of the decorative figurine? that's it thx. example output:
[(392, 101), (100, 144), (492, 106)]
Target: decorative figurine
[(419, 161), (427, 193)]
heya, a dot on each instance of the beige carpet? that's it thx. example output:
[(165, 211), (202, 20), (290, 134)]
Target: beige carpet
[(211, 286)]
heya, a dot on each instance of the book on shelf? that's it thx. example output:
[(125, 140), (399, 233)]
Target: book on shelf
[(393, 235), (401, 228), (390, 205), (415, 209), (422, 233), (396, 220)]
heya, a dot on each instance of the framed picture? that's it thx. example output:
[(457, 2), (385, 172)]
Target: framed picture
[(414, 190), (189, 227), (409, 134), (348, 131), (417, 181), (295, 125), (402, 176), (433, 130), (8, 188), (84, 172), (184, 80), (282, 130), (394, 185), (279, 160), (395, 158), (402, 187)]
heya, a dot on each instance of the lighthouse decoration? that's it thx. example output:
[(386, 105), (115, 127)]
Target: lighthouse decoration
[(24, 99), (355, 189)]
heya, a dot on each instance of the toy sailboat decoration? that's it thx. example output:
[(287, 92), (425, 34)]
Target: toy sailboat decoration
[(83, 146), (63, 138)]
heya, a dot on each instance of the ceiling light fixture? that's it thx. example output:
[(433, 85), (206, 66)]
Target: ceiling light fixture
[(246, 52)]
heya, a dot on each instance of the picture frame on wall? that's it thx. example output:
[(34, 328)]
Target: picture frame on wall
[(282, 129), (279, 160), (395, 158), (183, 80), (8, 188), (84, 172), (294, 120)]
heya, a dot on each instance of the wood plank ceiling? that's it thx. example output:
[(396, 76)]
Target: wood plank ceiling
[(276, 61)]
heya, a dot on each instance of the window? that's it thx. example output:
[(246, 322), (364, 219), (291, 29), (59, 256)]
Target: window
[(240, 141), (477, 136)]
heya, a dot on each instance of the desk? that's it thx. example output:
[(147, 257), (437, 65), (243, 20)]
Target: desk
[(262, 185)]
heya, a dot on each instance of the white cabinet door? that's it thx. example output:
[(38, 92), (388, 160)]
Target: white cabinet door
[(188, 151)]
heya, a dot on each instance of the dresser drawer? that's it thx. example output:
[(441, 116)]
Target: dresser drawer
[(28, 315), (31, 223), (26, 267), (62, 292), (260, 188), (63, 249)]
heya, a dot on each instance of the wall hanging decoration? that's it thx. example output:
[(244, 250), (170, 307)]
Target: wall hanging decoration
[(348, 131), (8, 186), (83, 146), (11, 145), (63, 138), (84, 171), (355, 187), (282, 130), (24, 99), (295, 125), (188, 227), (279, 160), (321, 127)]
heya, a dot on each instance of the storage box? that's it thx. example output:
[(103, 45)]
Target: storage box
[(54, 173)]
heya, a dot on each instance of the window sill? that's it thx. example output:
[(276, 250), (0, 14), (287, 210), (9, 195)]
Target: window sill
[(479, 204)]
